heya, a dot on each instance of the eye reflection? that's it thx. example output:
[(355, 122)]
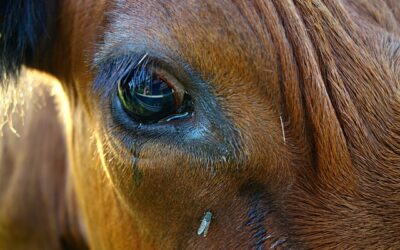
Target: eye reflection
[(151, 95)]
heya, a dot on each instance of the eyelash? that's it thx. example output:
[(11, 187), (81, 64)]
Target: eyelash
[(141, 71), (112, 71)]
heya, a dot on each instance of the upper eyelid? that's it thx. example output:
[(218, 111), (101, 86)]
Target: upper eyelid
[(112, 71)]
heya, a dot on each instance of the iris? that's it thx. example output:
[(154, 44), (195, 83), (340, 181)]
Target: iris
[(151, 95)]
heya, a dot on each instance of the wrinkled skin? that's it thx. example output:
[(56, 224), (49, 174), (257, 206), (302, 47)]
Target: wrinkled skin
[(296, 138)]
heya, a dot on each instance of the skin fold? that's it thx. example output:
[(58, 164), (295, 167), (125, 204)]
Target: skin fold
[(294, 142)]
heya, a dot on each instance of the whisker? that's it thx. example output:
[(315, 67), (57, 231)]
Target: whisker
[(278, 243), (283, 130), (142, 59)]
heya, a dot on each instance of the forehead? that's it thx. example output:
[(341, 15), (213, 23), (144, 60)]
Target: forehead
[(220, 39)]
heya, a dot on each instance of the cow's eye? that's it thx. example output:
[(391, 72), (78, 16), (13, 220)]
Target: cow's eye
[(152, 95)]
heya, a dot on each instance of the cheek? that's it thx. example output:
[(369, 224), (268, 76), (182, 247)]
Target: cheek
[(161, 182), (159, 186), (265, 141)]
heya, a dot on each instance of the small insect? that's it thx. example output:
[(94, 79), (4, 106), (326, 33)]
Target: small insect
[(205, 224)]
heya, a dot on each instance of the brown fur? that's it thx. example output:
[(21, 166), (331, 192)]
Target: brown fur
[(329, 68)]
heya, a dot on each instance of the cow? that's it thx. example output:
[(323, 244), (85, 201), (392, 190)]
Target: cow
[(256, 124)]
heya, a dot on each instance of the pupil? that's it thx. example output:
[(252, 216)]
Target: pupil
[(147, 98)]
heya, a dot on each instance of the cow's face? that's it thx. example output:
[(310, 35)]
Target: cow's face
[(261, 120)]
